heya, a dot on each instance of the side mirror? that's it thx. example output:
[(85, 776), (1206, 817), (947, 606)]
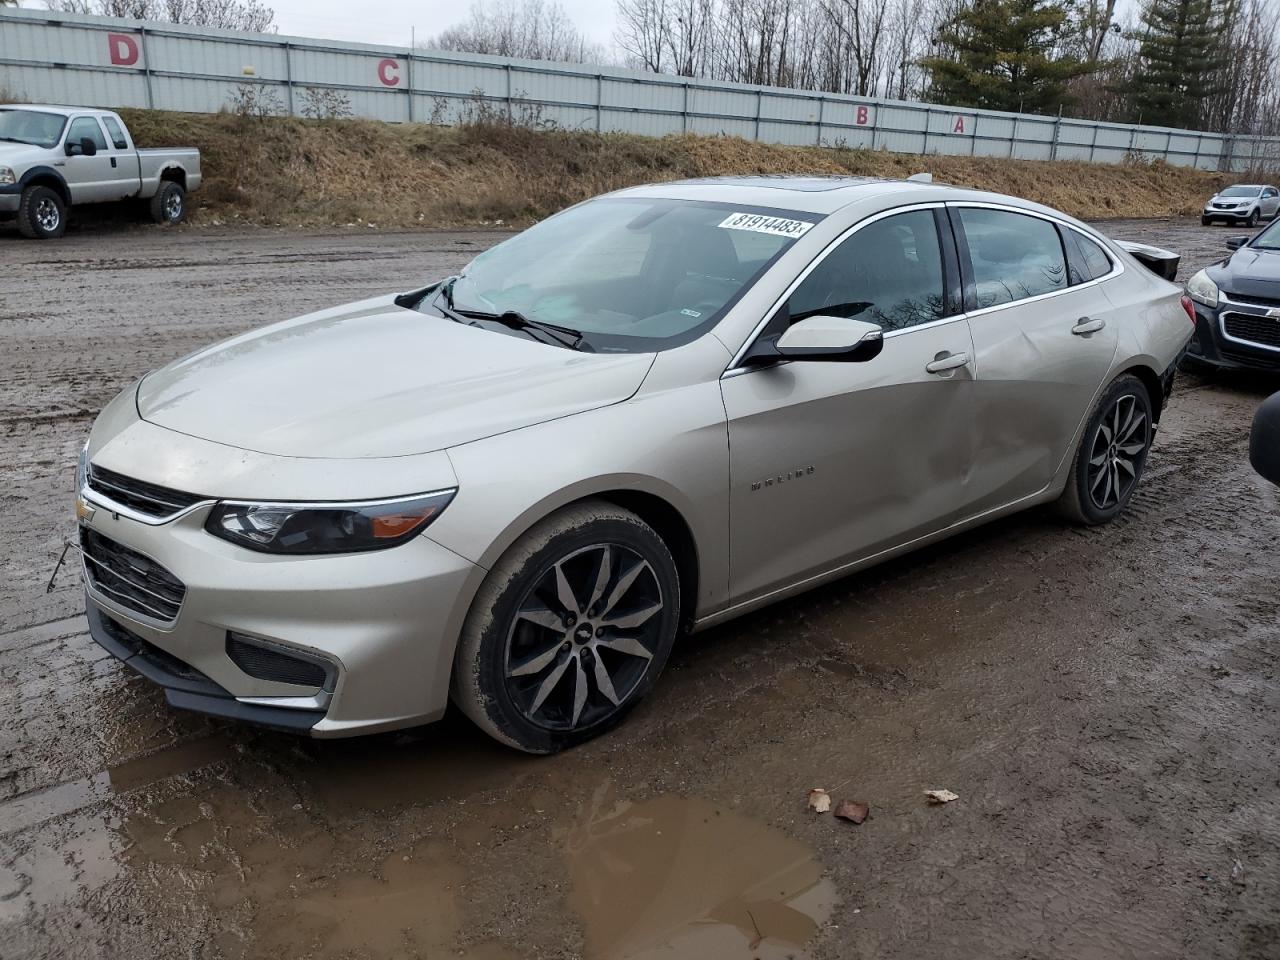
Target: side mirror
[(1264, 440), (1235, 243), (821, 338), (84, 148)]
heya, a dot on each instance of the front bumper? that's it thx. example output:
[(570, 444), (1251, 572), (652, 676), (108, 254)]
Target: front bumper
[(1215, 345), (10, 203), (386, 621), (1230, 216)]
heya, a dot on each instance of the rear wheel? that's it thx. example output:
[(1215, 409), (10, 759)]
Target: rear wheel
[(1112, 454), (42, 215), (169, 205), (569, 630)]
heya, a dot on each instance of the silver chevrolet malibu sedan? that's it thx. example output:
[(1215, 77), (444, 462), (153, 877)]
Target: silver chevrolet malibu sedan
[(657, 410)]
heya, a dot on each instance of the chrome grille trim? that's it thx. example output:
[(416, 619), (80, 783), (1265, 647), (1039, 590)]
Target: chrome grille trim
[(137, 499), (1248, 327), (129, 578)]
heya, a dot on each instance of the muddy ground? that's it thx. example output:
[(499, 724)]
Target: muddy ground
[(1104, 702)]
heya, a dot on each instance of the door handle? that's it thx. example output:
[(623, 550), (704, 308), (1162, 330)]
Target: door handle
[(949, 362), (1088, 325)]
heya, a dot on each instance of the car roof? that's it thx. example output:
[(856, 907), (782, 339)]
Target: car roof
[(821, 194), (60, 110)]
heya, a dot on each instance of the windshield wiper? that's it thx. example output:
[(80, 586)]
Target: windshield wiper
[(442, 300), (564, 336)]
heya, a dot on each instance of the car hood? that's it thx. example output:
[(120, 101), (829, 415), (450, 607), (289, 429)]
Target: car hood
[(22, 155), (1251, 272), (376, 380)]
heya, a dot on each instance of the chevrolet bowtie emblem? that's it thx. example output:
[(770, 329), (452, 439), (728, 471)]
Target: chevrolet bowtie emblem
[(1274, 313)]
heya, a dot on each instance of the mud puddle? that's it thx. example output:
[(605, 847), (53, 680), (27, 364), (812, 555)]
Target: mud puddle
[(685, 879)]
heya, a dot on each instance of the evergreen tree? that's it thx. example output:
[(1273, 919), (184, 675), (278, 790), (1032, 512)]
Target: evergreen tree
[(1004, 55), (1182, 53)]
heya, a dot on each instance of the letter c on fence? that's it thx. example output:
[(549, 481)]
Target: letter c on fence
[(124, 49), (389, 72), (860, 116)]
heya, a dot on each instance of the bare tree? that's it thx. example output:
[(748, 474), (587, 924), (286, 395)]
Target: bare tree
[(528, 29), (251, 15)]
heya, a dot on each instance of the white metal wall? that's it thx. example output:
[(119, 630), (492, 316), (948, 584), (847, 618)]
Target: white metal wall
[(100, 61)]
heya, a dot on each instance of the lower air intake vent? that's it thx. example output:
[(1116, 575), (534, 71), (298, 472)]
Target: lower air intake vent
[(271, 663)]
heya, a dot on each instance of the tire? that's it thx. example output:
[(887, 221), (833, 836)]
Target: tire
[(536, 684), (169, 205), (1253, 219), (1205, 222), (42, 215), (1090, 498)]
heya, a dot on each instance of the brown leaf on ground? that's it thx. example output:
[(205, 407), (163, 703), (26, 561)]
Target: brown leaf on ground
[(852, 810), (941, 796), (819, 800)]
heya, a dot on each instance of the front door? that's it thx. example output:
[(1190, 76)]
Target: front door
[(831, 462), (1044, 335), (90, 179)]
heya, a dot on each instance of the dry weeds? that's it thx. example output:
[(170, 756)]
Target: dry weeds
[(290, 171)]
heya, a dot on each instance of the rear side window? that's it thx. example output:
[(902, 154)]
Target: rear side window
[(1097, 263), (117, 134), (1014, 256), (889, 272), (82, 127)]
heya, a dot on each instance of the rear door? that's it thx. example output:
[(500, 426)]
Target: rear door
[(91, 179), (124, 160), (1044, 336), (832, 462)]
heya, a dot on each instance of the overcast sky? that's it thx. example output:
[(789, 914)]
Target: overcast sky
[(394, 21)]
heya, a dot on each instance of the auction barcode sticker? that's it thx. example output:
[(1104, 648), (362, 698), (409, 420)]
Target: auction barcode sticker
[(758, 223)]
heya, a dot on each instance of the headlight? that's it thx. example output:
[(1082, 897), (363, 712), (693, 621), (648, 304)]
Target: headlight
[(6, 177), (310, 528), (1203, 290)]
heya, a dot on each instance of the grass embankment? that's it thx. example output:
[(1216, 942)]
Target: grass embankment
[(310, 173)]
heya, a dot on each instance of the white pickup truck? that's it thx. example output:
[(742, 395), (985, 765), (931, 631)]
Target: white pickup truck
[(52, 158)]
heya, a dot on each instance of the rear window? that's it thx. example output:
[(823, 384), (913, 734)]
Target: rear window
[(1014, 256)]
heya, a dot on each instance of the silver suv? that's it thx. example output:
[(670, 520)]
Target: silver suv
[(1243, 203)]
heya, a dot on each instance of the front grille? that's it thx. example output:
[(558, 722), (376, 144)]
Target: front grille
[(149, 499), (1258, 301), (1263, 331), (134, 581), (269, 663)]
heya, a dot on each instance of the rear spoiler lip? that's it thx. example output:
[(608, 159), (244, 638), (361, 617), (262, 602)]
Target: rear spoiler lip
[(1163, 263)]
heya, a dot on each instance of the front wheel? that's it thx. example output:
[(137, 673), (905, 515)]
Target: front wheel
[(41, 214), (1253, 219), (1205, 221), (169, 205), (569, 630), (1112, 454)]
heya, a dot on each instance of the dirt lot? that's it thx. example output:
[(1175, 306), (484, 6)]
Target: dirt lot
[(1104, 702)]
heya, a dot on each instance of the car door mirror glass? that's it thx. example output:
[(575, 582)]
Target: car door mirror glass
[(830, 338)]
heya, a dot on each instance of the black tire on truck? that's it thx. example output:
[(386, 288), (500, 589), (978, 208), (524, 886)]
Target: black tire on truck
[(169, 205), (42, 215)]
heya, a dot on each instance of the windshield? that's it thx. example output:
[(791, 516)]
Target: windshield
[(1268, 239), (632, 275), (1241, 192), (31, 126)]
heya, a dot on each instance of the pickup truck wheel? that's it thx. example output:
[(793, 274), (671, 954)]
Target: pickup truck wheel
[(169, 205), (42, 215)]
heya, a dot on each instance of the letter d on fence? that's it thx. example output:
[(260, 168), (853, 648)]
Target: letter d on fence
[(123, 49)]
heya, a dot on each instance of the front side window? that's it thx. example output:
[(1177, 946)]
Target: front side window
[(86, 127), (631, 274), (889, 272), (31, 126), (117, 134), (1014, 256)]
